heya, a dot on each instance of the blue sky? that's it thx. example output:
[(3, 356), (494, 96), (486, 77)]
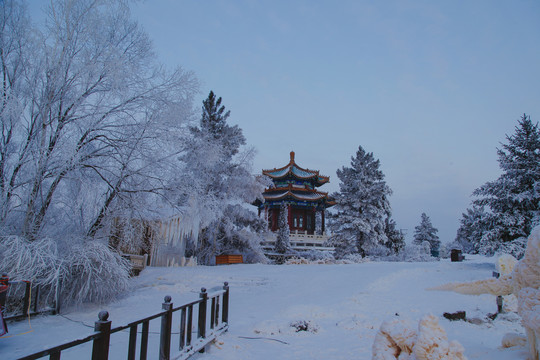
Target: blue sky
[(430, 87)]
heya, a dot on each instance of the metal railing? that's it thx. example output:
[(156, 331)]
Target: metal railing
[(207, 330)]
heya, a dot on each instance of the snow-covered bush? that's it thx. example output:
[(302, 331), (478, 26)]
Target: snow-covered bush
[(314, 255), (93, 273), (35, 261), (412, 253), (84, 270), (354, 258), (238, 231), (378, 252)]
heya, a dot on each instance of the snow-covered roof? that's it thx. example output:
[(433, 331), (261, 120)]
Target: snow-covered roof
[(303, 196), (296, 171)]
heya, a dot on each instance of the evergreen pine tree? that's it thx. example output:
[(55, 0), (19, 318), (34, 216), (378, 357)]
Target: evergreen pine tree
[(473, 224), (514, 198), (362, 205), (217, 175), (213, 125), (283, 244), (396, 240), (425, 232)]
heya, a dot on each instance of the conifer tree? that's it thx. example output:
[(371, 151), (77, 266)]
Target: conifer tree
[(283, 244), (218, 175), (213, 125), (362, 205), (396, 240), (473, 224), (514, 198), (425, 232)]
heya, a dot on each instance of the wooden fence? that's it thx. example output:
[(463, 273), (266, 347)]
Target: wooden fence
[(32, 296), (208, 328)]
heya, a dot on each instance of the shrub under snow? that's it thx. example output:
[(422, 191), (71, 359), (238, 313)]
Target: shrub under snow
[(412, 253), (83, 270), (94, 273)]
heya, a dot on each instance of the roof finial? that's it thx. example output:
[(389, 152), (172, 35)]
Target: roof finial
[(292, 157)]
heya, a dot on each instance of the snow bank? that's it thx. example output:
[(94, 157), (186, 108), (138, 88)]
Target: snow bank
[(523, 281), (397, 340)]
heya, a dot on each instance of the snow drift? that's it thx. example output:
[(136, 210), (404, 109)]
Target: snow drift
[(523, 281), (396, 339)]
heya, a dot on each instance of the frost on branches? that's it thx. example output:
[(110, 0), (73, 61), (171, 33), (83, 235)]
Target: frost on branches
[(473, 224), (283, 243), (91, 131), (512, 200), (362, 208), (238, 231), (216, 178), (81, 270), (426, 233)]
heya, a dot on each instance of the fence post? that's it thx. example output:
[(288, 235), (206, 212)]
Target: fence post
[(202, 316), (26, 309), (57, 298), (225, 310), (166, 325), (36, 298), (100, 348)]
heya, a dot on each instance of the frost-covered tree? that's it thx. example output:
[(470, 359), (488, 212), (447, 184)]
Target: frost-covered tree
[(238, 231), (473, 224), (91, 129), (217, 173), (426, 232), (514, 198), (396, 239), (86, 117), (362, 205), (283, 244)]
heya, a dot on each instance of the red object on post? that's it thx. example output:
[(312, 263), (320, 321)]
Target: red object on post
[(4, 285)]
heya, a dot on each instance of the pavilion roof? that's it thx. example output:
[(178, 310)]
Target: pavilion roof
[(300, 194), (303, 196), (292, 169)]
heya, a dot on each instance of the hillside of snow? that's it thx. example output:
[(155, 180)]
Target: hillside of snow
[(338, 307)]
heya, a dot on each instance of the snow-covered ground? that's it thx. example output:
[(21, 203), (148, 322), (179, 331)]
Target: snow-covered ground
[(344, 305)]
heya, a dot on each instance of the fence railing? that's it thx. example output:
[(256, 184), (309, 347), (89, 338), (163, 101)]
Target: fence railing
[(208, 328), (31, 300)]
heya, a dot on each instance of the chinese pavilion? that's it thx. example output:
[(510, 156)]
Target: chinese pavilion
[(297, 188)]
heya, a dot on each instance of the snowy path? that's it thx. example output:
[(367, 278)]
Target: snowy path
[(343, 306)]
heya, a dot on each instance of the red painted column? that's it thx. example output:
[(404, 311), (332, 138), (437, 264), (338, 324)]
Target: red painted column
[(322, 220)]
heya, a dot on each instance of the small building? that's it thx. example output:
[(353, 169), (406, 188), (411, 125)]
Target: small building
[(296, 187)]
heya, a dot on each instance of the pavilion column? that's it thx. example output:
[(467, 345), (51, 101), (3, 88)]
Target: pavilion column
[(322, 221)]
